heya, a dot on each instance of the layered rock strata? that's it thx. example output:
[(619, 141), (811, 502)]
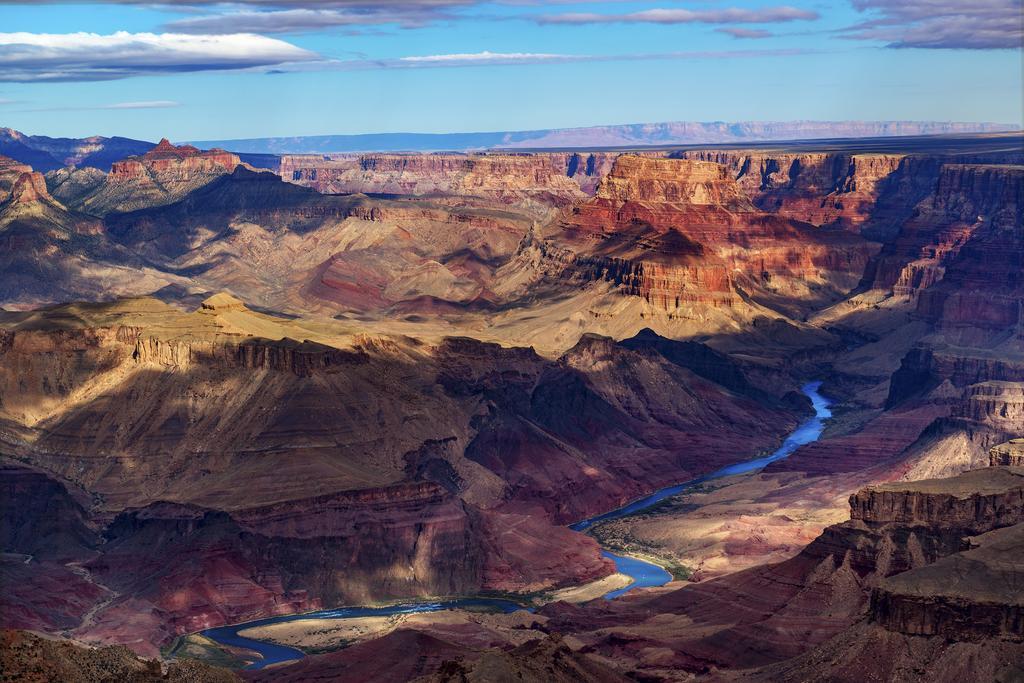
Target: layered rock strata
[(162, 175)]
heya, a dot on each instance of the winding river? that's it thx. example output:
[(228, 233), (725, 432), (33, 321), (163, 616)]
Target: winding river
[(643, 574)]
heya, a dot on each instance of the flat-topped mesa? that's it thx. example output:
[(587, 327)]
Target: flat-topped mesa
[(698, 183), (973, 502), (1010, 453), (505, 178), (968, 596), (221, 302)]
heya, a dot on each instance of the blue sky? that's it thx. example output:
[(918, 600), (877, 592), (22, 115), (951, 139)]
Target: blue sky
[(201, 70)]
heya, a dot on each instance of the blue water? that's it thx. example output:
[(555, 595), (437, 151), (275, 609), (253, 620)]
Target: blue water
[(273, 653), (643, 574)]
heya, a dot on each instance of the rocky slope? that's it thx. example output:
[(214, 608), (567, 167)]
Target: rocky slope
[(27, 657), (70, 184), (681, 234), (51, 253), (162, 175), (374, 467), (10, 171), (892, 565), (291, 248)]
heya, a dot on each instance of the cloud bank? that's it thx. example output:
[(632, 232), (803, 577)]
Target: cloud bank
[(768, 15), (941, 24), (35, 57)]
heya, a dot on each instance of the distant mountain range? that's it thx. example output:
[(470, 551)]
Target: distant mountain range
[(45, 153), (630, 135)]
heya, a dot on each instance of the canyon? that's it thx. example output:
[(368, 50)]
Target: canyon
[(230, 393)]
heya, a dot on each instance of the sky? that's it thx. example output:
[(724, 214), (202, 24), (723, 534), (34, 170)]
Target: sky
[(197, 69)]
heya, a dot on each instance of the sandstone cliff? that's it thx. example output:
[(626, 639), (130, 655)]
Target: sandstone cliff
[(162, 175), (681, 233), (10, 171), (524, 180), (934, 557), (1009, 453)]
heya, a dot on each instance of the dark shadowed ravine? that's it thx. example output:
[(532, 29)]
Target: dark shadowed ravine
[(643, 574)]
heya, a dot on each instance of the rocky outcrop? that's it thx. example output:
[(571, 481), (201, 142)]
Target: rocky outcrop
[(680, 234), (975, 502), (70, 184), (289, 355), (1009, 453), (841, 190), (971, 595), (29, 188), (160, 176), (544, 180), (25, 656), (10, 171)]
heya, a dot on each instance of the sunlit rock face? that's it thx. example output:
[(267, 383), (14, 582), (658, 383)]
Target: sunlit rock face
[(394, 376), (162, 175), (681, 233)]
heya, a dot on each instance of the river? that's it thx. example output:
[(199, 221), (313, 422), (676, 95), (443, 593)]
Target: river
[(643, 574)]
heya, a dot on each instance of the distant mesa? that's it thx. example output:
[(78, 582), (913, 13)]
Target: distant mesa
[(222, 302)]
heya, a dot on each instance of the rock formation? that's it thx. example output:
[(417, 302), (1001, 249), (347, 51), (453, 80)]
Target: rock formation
[(457, 459), (680, 233), (10, 171), (71, 185), (528, 181), (162, 175), (411, 393), (27, 657), (1009, 453)]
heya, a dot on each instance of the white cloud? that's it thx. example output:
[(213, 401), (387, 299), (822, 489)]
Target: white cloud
[(152, 104), (299, 20), (941, 24), (486, 57), (767, 15), (33, 57)]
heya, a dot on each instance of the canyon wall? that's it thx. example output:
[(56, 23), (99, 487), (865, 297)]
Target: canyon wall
[(162, 175), (680, 232), (547, 178)]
